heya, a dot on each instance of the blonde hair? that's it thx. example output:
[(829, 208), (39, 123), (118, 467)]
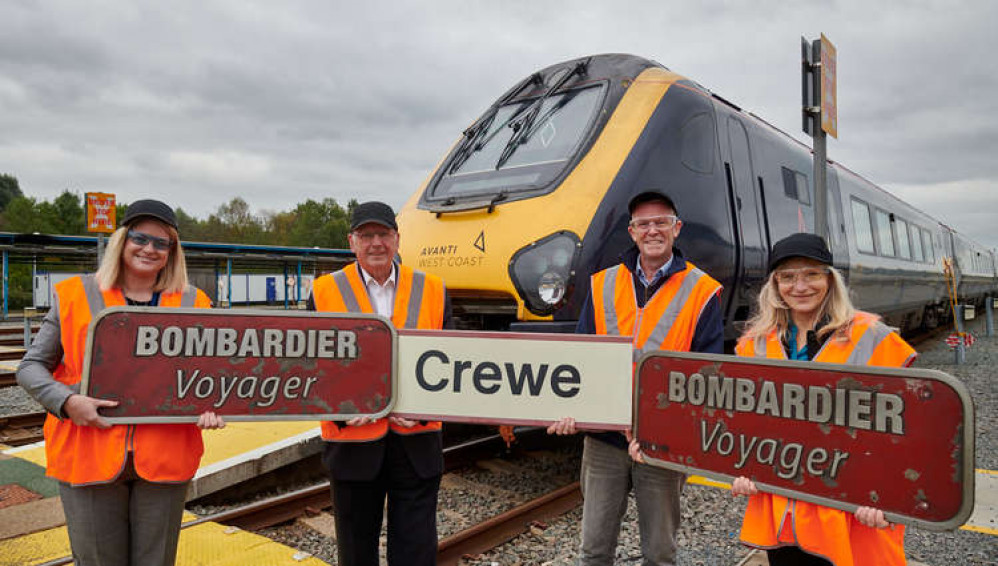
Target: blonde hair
[(171, 279), (836, 311)]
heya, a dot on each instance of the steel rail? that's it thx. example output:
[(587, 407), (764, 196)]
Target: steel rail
[(505, 527), (25, 428)]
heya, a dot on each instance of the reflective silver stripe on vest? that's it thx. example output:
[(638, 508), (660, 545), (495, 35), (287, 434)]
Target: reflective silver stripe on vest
[(95, 299), (415, 299), (346, 291), (867, 343), (609, 313), (761, 342), (190, 294), (664, 324)]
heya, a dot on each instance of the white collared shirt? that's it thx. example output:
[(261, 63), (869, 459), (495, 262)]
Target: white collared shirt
[(382, 296)]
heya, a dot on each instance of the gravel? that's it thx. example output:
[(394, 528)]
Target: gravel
[(15, 401)]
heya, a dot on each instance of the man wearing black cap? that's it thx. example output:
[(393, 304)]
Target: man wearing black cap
[(664, 302), (370, 460)]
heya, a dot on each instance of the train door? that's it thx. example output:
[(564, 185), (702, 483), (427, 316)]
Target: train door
[(751, 231), (837, 240)]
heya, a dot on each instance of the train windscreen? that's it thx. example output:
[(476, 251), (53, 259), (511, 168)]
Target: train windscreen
[(521, 146)]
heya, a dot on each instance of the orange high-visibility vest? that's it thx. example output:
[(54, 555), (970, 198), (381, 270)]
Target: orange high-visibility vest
[(80, 455), (669, 318), (419, 303), (772, 520)]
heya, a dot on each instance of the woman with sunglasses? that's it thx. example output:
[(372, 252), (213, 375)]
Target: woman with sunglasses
[(805, 313), (122, 486)]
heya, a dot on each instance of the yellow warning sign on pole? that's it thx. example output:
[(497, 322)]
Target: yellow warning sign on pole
[(100, 212)]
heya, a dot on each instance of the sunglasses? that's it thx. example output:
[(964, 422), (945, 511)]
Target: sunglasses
[(141, 239)]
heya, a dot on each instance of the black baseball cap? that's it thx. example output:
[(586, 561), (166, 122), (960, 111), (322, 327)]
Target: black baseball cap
[(152, 208), (810, 246), (373, 211), (651, 196)]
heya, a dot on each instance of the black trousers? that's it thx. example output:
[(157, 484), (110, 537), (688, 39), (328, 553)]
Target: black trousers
[(412, 513), (794, 556)]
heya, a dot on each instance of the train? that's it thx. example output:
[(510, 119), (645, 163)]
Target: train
[(532, 199)]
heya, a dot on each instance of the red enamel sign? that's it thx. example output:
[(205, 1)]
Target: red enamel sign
[(901, 440), (170, 365)]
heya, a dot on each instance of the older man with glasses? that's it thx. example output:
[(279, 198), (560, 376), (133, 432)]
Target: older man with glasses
[(394, 459), (663, 302)]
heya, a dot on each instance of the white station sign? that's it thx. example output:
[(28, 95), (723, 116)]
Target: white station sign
[(515, 378)]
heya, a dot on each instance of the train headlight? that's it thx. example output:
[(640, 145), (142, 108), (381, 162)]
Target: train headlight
[(541, 271)]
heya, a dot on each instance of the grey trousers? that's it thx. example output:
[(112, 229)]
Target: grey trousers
[(128, 522), (608, 475)]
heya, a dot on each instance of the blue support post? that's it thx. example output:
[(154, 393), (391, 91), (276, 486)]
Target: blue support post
[(6, 284), (298, 285), (990, 318), (228, 282)]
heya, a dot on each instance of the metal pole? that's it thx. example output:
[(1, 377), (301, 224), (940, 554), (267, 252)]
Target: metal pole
[(961, 350), (990, 318), (820, 182), (6, 284), (228, 283), (100, 248)]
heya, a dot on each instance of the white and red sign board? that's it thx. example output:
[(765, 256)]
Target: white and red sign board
[(514, 378)]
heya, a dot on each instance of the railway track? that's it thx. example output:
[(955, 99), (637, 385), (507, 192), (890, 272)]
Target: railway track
[(474, 540), (18, 430)]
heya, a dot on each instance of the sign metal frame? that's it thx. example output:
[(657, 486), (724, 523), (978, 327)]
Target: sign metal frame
[(623, 342), (392, 384), (966, 433)]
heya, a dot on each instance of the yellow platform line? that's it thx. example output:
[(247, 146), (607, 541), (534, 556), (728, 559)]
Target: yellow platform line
[(219, 445)]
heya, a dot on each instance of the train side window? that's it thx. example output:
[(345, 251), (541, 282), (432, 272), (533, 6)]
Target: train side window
[(790, 183), (901, 230), (698, 143), (885, 239), (861, 226), (930, 254), (916, 243), (803, 191)]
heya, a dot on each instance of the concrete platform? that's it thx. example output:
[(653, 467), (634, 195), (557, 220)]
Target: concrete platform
[(236, 453)]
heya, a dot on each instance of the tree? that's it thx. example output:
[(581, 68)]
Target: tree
[(67, 213), (9, 190)]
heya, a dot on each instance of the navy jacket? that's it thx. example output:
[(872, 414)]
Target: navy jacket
[(708, 337)]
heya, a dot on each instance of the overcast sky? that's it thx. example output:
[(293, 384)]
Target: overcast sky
[(196, 102)]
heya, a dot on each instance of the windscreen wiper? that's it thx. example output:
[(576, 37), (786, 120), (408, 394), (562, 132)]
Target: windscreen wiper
[(475, 131), (523, 125)]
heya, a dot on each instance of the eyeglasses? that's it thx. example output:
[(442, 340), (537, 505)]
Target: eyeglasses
[(663, 222), (809, 275), (368, 237), (141, 239)]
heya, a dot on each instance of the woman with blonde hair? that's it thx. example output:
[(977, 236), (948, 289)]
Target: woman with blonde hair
[(122, 486), (805, 313)]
